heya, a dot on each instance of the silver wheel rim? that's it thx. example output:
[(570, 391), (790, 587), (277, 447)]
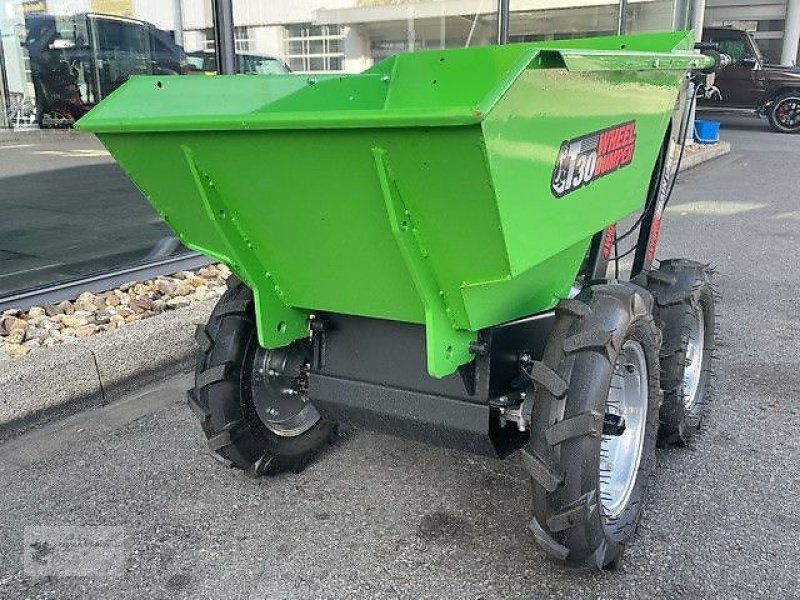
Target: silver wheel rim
[(278, 395), (620, 455), (693, 370)]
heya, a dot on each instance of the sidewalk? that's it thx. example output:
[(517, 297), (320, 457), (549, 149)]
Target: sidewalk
[(18, 136), (697, 154)]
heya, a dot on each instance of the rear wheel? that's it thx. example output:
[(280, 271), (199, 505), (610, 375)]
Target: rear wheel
[(594, 424), (784, 114), (686, 314), (251, 401)]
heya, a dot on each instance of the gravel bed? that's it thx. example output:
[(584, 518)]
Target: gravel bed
[(91, 314)]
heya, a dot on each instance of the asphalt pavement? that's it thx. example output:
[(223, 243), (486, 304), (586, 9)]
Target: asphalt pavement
[(378, 517)]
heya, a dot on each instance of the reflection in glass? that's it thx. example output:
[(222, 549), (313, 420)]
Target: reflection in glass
[(530, 22), (69, 211), (316, 36), (76, 60)]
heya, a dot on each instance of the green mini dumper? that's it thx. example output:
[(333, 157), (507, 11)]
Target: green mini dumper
[(423, 249)]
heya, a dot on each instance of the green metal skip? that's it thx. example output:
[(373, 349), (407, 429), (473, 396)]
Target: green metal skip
[(453, 188)]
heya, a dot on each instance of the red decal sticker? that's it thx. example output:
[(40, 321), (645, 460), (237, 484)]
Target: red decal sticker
[(589, 157), (608, 241), (653, 239)]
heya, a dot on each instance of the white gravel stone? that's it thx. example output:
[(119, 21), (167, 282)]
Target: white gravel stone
[(35, 311), (90, 314)]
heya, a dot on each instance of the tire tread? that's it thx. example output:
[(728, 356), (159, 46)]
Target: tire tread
[(234, 434)]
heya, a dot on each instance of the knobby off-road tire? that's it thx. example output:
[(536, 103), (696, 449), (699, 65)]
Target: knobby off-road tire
[(596, 338), (685, 311), (223, 394), (784, 114)]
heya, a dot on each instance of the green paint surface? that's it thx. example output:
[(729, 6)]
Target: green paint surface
[(417, 191)]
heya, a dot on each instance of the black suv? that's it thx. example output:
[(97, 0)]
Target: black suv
[(750, 82)]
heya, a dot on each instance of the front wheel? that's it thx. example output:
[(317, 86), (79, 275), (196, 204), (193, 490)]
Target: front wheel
[(594, 424), (784, 114), (251, 402)]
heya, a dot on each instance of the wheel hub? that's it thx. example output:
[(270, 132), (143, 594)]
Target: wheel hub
[(624, 428), (693, 370), (279, 390)]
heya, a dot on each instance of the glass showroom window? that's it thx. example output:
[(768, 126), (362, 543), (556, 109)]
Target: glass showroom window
[(569, 19), (657, 15), (70, 213), (313, 36), (208, 43), (314, 48), (243, 39)]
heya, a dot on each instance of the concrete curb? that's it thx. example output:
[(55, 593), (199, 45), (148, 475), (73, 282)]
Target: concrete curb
[(21, 136), (700, 154), (55, 382)]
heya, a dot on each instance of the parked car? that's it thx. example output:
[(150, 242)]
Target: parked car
[(752, 83), (248, 64), (78, 60)]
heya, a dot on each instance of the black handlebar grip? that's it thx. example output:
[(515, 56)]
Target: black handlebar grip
[(703, 46)]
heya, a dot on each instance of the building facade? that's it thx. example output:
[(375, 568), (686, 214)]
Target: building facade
[(766, 19)]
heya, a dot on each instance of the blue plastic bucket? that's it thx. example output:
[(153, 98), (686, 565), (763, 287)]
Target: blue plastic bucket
[(706, 132)]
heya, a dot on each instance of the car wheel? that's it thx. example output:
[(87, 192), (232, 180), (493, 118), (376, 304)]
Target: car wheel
[(784, 114)]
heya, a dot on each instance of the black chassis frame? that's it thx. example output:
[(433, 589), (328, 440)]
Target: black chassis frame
[(371, 373)]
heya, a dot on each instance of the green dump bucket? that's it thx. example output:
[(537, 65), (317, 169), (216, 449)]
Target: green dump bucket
[(453, 188)]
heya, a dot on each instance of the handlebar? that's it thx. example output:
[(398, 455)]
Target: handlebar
[(711, 49), (720, 62)]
